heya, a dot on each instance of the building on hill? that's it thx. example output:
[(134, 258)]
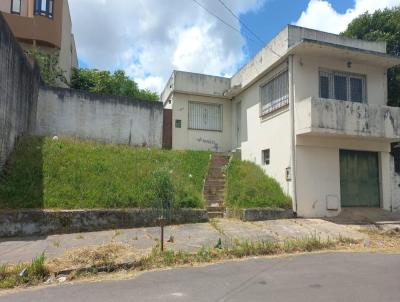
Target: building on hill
[(45, 24), (310, 109)]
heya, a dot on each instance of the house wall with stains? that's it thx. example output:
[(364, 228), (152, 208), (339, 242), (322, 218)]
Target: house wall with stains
[(105, 118), (184, 138)]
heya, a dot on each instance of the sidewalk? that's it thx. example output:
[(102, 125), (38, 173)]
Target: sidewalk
[(189, 237)]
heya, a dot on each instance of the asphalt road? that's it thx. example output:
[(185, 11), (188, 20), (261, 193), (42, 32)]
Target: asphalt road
[(317, 277)]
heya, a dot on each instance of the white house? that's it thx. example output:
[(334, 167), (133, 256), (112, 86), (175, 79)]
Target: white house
[(310, 108)]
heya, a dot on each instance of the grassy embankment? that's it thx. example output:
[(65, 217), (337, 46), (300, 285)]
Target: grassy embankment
[(75, 174)]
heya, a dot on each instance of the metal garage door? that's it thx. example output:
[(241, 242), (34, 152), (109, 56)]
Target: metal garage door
[(359, 179)]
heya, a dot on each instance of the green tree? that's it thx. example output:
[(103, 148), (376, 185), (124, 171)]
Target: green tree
[(383, 25), (50, 71), (118, 83)]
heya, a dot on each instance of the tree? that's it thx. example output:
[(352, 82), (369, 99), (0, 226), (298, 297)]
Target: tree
[(383, 25), (118, 83), (50, 71)]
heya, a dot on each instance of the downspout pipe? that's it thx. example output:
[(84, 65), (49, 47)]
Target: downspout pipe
[(292, 134)]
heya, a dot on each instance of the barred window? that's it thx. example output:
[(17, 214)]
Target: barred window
[(396, 155), (342, 86), (275, 94), (205, 116)]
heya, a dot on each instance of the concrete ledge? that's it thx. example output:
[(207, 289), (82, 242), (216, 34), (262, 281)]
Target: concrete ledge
[(259, 214), (45, 222)]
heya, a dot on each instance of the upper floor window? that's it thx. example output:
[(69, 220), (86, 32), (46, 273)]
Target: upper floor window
[(275, 94), (44, 8), (342, 86), (16, 7), (205, 116)]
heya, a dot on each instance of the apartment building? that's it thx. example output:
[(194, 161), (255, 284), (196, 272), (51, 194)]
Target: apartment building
[(45, 24)]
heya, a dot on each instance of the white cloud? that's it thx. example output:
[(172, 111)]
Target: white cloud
[(322, 16), (150, 38)]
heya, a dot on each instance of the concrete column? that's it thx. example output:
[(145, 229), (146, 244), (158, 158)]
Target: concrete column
[(385, 179)]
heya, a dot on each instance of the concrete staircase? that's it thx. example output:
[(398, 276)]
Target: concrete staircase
[(214, 186)]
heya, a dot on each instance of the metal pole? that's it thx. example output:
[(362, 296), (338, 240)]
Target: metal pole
[(162, 237)]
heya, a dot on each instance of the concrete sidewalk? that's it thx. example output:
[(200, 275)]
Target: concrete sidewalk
[(189, 237)]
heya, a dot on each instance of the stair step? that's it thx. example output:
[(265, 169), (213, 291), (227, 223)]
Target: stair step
[(215, 215), (216, 209)]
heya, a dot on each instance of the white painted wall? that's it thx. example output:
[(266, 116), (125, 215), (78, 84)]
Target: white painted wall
[(116, 120), (269, 132), (184, 138), (395, 183)]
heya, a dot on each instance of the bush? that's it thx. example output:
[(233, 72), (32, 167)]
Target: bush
[(249, 187)]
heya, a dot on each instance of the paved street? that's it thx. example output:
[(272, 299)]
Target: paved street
[(319, 277)]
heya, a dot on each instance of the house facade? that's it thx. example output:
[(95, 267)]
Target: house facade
[(45, 24), (310, 109)]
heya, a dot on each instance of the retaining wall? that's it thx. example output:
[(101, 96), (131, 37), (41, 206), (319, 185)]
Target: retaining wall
[(110, 119), (259, 214), (20, 223), (19, 83)]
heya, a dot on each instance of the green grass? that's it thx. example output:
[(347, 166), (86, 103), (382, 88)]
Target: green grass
[(249, 187), (23, 273), (72, 174)]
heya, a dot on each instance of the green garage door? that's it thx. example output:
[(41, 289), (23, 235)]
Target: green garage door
[(359, 179)]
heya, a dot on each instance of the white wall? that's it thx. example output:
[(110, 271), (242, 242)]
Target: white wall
[(306, 77), (184, 138), (318, 172), (395, 183), (269, 132), (104, 118)]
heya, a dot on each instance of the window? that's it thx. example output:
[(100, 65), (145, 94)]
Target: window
[(16, 6), (205, 116), (396, 156), (342, 86), (266, 157), (275, 94), (44, 8)]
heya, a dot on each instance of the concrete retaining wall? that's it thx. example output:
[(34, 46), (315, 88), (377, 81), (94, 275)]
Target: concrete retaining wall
[(40, 222), (19, 83), (110, 119), (259, 214)]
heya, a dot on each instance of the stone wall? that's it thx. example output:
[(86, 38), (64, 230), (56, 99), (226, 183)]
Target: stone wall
[(110, 119), (44, 222), (259, 214), (19, 83)]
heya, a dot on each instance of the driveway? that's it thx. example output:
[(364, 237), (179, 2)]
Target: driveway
[(317, 277)]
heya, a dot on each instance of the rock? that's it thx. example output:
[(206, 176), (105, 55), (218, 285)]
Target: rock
[(61, 279), (367, 243), (50, 280), (55, 138)]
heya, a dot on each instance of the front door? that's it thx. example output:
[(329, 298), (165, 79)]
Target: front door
[(359, 179)]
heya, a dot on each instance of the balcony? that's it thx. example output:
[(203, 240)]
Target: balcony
[(38, 28), (315, 116)]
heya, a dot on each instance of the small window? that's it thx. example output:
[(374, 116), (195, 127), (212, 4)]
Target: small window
[(44, 8), (16, 7), (205, 116), (342, 86), (275, 94), (396, 156), (178, 123), (266, 157)]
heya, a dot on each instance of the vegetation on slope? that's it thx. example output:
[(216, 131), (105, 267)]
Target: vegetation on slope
[(71, 174), (249, 187)]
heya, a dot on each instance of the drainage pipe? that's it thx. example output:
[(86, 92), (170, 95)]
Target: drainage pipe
[(292, 134)]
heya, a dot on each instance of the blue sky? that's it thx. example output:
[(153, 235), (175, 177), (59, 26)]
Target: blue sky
[(151, 38), (276, 14)]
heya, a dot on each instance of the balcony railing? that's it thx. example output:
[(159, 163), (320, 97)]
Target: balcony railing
[(332, 117)]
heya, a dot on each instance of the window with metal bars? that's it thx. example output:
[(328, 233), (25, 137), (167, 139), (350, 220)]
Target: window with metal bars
[(16, 7), (275, 94), (396, 156), (44, 8), (342, 86), (205, 116)]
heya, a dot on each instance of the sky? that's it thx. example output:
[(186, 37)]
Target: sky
[(149, 39)]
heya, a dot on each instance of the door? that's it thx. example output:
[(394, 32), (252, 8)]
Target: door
[(238, 123), (359, 179), (167, 129)]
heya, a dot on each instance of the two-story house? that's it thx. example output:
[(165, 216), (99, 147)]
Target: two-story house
[(310, 108), (45, 24)]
